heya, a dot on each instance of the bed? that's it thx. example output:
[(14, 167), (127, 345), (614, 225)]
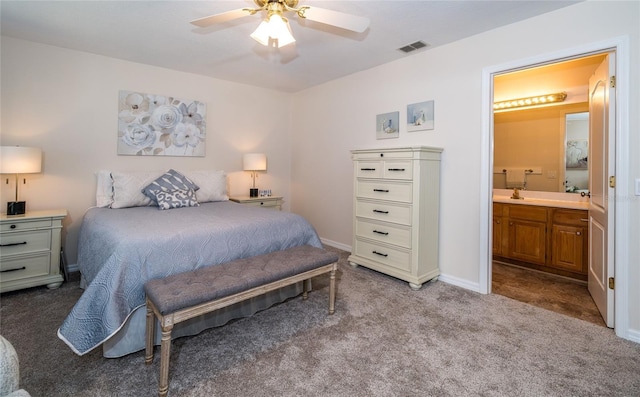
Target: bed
[(120, 248)]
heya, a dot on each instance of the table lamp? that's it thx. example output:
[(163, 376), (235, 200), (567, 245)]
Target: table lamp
[(254, 162), (19, 160)]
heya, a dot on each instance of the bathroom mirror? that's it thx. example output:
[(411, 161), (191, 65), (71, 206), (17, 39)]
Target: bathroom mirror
[(549, 141), (576, 152)]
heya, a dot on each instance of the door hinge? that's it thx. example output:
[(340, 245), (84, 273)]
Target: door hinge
[(612, 181), (612, 283), (612, 81)]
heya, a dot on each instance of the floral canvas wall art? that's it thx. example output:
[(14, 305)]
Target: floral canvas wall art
[(155, 125)]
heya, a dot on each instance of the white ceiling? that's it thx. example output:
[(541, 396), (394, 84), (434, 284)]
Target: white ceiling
[(159, 33)]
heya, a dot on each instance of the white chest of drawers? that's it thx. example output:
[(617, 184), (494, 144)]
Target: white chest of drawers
[(30, 250), (396, 207)]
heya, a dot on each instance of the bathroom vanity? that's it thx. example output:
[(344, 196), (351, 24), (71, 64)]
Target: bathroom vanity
[(543, 235)]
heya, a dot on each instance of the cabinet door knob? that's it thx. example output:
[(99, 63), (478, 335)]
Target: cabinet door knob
[(12, 226), (579, 233)]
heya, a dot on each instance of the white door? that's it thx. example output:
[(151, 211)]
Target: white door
[(601, 203)]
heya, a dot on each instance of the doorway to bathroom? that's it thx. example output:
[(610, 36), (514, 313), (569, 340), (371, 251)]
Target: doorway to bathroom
[(601, 226)]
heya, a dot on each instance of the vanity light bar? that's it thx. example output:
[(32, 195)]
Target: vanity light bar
[(530, 101)]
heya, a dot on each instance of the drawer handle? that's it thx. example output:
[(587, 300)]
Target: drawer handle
[(383, 233), (584, 220), (397, 169), (381, 190), (13, 226), (379, 253), (12, 244), (367, 169), (381, 212), (13, 270)]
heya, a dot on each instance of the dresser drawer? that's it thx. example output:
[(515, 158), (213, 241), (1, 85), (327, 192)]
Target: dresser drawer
[(24, 267), (382, 154), (369, 169), (386, 233), (8, 226), (385, 190), (24, 242), (395, 213), (396, 258), (398, 169)]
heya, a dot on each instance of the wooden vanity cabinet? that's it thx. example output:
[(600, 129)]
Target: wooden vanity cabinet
[(527, 233), (553, 240), (497, 228), (569, 243)]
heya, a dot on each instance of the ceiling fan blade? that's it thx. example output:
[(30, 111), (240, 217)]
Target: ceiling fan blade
[(220, 18), (338, 19)]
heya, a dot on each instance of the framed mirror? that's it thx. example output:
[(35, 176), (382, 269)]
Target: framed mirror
[(576, 152)]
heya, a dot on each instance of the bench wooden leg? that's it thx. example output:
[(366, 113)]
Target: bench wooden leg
[(165, 352), (150, 333), (306, 287), (332, 290)]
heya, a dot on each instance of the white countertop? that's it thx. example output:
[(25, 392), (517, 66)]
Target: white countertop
[(543, 199)]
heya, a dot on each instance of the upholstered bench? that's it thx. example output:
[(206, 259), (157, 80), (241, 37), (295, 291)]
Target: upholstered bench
[(182, 296)]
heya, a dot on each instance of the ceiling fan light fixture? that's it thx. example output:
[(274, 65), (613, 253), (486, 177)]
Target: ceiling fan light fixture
[(274, 30)]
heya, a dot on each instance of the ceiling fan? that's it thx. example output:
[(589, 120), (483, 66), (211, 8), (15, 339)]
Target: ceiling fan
[(274, 31)]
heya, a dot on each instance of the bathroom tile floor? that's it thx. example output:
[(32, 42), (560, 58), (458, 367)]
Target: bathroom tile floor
[(545, 290)]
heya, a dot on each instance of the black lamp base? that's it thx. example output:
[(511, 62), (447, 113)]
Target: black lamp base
[(253, 192), (16, 207)]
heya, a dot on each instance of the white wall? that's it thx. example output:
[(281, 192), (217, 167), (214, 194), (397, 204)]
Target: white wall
[(331, 119), (65, 102)]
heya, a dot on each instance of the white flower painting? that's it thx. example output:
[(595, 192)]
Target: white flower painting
[(154, 125)]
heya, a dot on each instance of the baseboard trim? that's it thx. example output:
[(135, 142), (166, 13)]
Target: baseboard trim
[(335, 244), (458, 282)]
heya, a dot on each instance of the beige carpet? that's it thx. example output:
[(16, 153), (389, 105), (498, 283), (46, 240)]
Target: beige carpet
[(384, 340)]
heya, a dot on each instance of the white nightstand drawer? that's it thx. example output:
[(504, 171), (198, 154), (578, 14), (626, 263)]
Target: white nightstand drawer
[(384, 190), (386, 233), (24, 267), (396, 258), (24, 242), (388, 212), (15, 224)]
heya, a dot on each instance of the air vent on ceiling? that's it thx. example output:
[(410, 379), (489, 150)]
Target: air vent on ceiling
[(413, 46)]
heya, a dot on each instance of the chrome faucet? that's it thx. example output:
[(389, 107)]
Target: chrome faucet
[(516, 194)]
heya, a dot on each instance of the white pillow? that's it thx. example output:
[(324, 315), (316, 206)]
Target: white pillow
[(127, 188), (213, 185), (104, 189)]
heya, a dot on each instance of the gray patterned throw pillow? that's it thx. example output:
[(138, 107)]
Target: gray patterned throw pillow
[(169, 181), (175, 198)]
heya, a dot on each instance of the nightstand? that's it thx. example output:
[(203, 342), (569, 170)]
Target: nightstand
[(30, 250), (273, 202)]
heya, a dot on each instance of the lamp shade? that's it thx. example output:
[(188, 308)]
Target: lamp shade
[(254, 162), (276, 27), (20, 160)]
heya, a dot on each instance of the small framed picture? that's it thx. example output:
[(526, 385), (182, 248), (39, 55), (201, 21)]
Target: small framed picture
[(387, 125), (420, 116), (577, 154)]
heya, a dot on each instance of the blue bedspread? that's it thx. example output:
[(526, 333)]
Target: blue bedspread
[(120, 249)]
